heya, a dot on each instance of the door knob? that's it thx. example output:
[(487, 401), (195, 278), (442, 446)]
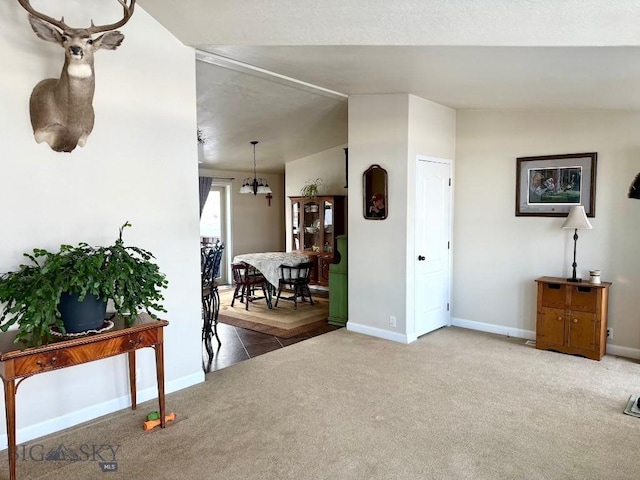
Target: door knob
[(421, 258)]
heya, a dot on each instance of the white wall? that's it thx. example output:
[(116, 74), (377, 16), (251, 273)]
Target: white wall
[(255, 226), (328, 165), (432, 133), (388, 130), (139, 164), (497, 255), (378, 134)]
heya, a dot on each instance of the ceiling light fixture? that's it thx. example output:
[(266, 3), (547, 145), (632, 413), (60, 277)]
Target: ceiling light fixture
[(255, 185)]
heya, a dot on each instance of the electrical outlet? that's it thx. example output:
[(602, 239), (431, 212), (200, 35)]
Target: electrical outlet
[(609, 333), (392, 321)]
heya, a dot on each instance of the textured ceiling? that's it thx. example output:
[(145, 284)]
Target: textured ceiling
[(400, 22), (491, 54), (290, 122)]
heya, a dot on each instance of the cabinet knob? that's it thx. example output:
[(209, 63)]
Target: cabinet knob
[(575, 320)]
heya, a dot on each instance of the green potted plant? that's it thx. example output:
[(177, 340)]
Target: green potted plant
[(311, 188), (39, 294)]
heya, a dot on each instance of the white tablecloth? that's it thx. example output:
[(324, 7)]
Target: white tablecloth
[(268, 262)]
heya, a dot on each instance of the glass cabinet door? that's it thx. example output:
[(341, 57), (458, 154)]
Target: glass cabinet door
[(328, 226), (296, 243), (312, 227)]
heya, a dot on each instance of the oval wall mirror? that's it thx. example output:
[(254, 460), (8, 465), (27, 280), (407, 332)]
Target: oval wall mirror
[(375, 193)]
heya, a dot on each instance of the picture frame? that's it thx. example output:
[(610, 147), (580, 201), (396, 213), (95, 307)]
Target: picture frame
[(548, 186)]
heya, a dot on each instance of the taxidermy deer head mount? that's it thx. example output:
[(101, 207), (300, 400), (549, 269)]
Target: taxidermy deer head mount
[(62, 108)]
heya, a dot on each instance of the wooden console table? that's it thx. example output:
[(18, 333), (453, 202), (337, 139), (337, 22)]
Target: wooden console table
[(16, 364)]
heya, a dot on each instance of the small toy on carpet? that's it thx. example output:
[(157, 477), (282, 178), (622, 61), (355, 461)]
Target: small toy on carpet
[(153, 420)]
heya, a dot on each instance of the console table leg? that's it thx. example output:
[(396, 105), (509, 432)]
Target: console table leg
[(10, 412), (160, 376), (132, 379)]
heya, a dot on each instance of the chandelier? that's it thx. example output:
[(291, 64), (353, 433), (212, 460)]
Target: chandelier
[(255, 185)]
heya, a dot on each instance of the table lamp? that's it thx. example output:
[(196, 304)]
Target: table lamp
[(577, 219)]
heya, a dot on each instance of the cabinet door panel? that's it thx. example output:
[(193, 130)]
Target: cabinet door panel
[(296, 226), (327, 216), (582, 329), (312, 226), (550, 328)]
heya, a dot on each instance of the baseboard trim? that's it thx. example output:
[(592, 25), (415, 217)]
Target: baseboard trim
[(377, 332), (531, 335), (619, 351), (94, 411), (492, 328)]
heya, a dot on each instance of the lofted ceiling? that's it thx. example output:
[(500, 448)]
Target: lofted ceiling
[(584, 55), (238, 105)]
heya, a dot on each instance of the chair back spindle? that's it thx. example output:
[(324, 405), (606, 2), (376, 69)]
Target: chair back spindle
[(295, 278), (246, 278)]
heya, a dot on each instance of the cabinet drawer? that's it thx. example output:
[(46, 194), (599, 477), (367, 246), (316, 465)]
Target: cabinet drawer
[(77, 354), (553, 295), (42, 362), (584, 298)]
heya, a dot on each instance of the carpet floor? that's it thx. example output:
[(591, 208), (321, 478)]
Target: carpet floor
[(455, 404)]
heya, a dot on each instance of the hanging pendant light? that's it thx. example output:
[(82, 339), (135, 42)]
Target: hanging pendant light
[(255, 185)]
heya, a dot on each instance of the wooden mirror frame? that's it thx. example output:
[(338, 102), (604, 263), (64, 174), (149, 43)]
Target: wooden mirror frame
[(375, 193)]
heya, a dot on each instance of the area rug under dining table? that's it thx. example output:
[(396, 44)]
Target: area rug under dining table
[(282, 321)]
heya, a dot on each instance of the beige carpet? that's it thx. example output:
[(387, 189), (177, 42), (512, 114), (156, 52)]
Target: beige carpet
[(456, 404), (282, 321)]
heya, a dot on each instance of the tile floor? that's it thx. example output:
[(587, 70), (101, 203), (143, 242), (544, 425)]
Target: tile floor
[(239, 344)]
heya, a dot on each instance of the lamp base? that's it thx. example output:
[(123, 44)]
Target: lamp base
[(576, 280)]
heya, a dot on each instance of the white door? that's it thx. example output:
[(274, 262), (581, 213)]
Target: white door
[(432, 243)]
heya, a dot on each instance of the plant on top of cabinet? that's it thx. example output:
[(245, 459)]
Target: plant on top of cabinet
[(311, 188), (33, 294)]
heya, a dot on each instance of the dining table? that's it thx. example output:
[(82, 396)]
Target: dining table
[(268, 263)]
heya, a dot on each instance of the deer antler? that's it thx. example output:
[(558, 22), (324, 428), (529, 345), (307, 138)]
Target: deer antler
[(56, 23), (127, 8), (128, 11)]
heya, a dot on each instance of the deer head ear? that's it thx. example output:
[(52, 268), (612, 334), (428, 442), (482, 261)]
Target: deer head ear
[(44, 30), (109, 41)]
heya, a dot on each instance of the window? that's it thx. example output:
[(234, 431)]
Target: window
[(211, 220)]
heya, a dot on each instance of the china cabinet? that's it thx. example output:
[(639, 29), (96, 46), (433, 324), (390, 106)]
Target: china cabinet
[(315, 224)]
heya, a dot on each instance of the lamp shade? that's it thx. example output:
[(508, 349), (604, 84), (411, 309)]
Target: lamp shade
[(264, 189), (577, 219)]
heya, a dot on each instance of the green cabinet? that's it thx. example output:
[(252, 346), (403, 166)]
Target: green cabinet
[(339, 286)]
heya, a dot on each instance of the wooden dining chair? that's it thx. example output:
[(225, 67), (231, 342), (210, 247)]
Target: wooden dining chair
[(295, 278), (246, 278)]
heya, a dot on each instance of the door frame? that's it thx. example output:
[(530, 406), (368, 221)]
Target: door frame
[(226, 235), (429, 158)]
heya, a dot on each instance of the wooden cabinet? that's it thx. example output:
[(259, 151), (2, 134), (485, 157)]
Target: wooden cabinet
[(339, 286), (572, 317), (315, 224)]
